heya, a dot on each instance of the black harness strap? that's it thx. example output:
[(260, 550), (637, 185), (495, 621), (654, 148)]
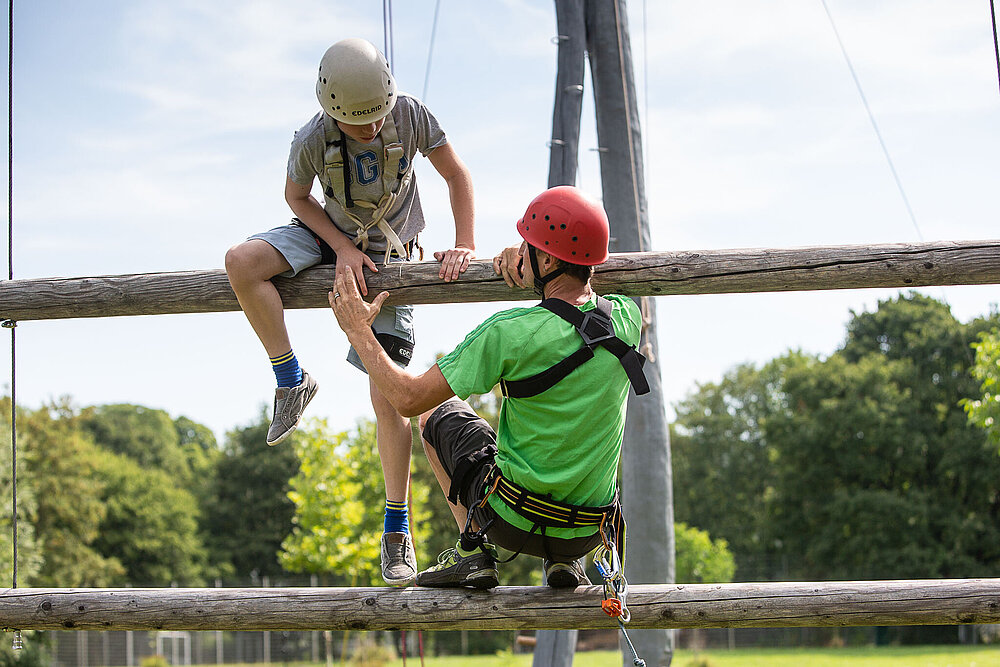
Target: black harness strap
[(596, 328)]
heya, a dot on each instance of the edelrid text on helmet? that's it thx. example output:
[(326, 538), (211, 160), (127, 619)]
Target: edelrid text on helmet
[(354, 84), (567, 224)]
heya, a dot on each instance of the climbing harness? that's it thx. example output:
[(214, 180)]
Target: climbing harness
[(396, 175), (596, 329)]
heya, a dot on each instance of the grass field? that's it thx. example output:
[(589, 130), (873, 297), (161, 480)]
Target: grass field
[(917, 656)]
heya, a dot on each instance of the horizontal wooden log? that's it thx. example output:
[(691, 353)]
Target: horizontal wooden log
[(831, 603), (632, 274)]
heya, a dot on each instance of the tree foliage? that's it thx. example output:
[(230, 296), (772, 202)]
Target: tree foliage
[(339, 500), (984, 410), (858, 466), (700, 559), (249, 513), (62, 463), (150, 525), (151, 438), (29, 556)]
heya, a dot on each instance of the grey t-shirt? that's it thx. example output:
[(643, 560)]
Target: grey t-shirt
[(417, 130)]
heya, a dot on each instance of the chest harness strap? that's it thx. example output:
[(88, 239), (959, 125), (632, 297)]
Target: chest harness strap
[(596, 329), (338, 172)]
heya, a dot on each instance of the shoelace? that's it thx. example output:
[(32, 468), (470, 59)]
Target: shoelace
[(447, 555)]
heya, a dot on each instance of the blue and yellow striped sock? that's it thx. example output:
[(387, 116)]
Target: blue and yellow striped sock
[(286, 369), (396, 517)]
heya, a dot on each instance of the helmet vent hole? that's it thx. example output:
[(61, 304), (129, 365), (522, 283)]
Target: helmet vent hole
[(546, 218), (332, 96), (533, 216), (574, 241), (552, 228), (562, 226)]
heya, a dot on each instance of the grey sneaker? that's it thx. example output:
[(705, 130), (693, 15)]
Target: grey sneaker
[(565, 575), (289, 404), (478, 570), (399, 563)]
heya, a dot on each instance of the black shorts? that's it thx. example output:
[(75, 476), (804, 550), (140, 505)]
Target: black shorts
[(456, 432)]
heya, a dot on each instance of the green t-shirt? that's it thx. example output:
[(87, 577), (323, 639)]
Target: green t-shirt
[(565, 441)]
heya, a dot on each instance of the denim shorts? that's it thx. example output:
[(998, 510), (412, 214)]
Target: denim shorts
[(302, 250)]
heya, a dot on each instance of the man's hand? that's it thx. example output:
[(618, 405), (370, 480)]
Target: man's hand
[(349, 257), (509, 265), (453, 262), (352, 313)]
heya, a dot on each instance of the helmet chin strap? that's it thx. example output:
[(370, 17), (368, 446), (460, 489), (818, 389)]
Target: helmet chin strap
[(541, 281)]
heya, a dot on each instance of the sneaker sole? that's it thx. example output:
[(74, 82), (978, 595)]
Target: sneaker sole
[(281, 438), (400, 583), (482, 580), (565, 580)]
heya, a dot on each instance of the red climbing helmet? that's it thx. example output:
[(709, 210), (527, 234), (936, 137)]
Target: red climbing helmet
[(567, 224)]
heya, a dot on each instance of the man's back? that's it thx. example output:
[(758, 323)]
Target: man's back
[(565, 441)]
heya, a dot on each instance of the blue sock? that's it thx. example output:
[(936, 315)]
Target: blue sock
[(396, 518), (286, 369)]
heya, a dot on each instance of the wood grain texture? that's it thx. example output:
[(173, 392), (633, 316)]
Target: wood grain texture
[(782, 604), (632, 274)]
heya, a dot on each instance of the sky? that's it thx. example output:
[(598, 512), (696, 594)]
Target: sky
[(151, 135)]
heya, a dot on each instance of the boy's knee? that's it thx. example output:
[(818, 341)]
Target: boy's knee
[(254, 260), (237, 259)]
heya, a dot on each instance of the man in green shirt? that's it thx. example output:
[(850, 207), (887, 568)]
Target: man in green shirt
[(545, 483)]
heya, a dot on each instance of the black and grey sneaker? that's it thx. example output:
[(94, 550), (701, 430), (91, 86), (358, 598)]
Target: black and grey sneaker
[(399, 563), (478, 570), (565, 575), (289, 404)]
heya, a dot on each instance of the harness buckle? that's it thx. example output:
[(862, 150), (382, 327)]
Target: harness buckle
[(595, 328)]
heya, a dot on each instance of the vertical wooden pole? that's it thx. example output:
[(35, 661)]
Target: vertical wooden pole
[(646, 475), (555, 648)]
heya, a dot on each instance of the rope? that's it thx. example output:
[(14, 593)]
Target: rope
[(10, 324), (871, 117), (996, 46), (430, 50), (387, 34)]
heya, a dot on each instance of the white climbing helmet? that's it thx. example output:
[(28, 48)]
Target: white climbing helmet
[(355, 85)]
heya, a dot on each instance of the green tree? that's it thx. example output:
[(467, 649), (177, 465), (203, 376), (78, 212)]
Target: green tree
[(878, 473), (151, 525), (249, 513), (62, 461), (339, 499), (722, 461), (984, 410), (862, 465), (29, 557), (147, 436), (700, 559)]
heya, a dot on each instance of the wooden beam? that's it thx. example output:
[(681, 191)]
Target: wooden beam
[(632, 274), (781, 604)]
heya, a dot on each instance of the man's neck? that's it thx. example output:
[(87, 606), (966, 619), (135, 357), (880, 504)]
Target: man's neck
[(570, 290)]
